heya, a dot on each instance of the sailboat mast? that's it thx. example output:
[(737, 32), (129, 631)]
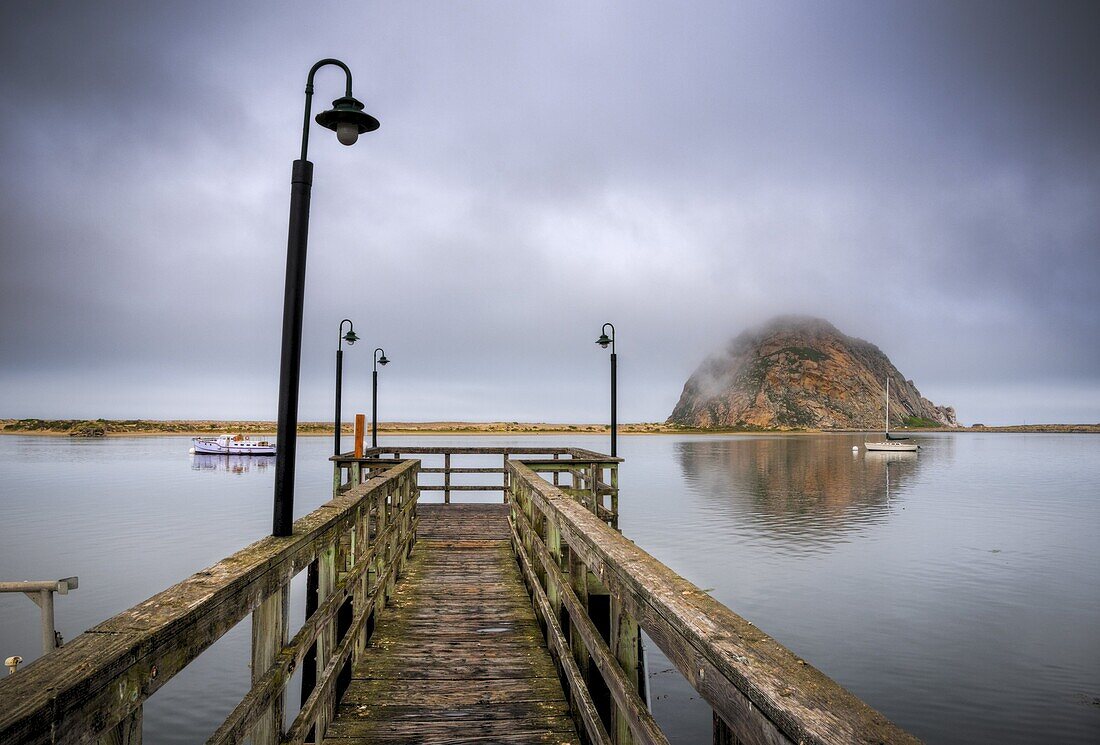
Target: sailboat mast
[(887, 407)]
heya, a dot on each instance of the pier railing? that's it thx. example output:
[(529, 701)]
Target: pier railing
[(594, 591), (92, 689), (590, 477)]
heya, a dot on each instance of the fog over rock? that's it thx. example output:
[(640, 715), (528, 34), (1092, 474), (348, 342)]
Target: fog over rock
[(795, 372)]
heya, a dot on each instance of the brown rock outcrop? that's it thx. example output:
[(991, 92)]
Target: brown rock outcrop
[(799, 372)]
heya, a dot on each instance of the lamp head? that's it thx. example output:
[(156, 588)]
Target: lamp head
[(383, 360), (603, 341), (351, 337), (347, 119)]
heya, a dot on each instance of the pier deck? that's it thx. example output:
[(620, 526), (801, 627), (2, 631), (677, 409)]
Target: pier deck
[(458, 655)]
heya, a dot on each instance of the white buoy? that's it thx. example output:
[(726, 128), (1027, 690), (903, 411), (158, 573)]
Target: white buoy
[(191, 451), (855, 449)]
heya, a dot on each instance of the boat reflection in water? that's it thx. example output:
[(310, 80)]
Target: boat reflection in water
[(804, 490), (231, 463)]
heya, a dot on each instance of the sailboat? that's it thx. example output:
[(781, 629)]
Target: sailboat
[(892, 444)]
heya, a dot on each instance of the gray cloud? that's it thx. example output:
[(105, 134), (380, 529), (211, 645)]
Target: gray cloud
[(923, 175)]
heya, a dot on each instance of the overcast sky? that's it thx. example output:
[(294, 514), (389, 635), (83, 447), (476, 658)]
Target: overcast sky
[(925, 176)]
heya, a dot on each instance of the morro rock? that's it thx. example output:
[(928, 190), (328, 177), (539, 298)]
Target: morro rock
[(798, 372)]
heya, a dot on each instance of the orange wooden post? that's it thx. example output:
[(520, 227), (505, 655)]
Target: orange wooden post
[(360, 427)]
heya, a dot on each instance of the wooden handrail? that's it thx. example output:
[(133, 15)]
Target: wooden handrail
[(586, 468), (760, 690), (95, 685)]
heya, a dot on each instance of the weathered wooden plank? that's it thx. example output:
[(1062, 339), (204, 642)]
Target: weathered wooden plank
[(269, 636), (458, 656)]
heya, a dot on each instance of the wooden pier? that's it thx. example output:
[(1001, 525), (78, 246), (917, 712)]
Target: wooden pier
[(519, 621)]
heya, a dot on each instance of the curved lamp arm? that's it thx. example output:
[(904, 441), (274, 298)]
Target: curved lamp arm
[(309, 95), (351, 330), (603, 334), (381, 359)]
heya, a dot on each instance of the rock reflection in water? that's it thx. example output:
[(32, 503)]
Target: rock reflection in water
[(798, 487), (231, 463)]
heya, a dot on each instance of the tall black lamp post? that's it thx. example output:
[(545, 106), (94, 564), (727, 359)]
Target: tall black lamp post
[(374, 396), (348, 120), (603, 341), (350, 338)]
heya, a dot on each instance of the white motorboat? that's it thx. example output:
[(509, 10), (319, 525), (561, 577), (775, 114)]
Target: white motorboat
[(891, 445), (232, 445)]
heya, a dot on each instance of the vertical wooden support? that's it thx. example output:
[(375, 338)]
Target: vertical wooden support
[(578, 580), (594, 489), (556, 475), (359, 552), (413, 493), (385, 550), (615, 495), (380, 555), (721, 732), (326, 640), (553, 582), (360, 429), (504, 479), (126, 732), (446, 478), (269, 636), (337, 478), (624, 647)]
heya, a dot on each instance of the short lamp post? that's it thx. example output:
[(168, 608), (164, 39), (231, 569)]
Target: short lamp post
[(350, 338), (604, 341), (374, 396), (348, 120)]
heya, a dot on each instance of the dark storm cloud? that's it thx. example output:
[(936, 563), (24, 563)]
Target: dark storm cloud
[(925, 176)]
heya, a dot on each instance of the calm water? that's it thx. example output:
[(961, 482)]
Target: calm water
[(958, 590)]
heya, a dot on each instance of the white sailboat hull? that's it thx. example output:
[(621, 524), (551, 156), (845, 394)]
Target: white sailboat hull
[(891, 447)]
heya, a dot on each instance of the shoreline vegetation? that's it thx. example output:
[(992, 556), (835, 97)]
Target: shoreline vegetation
[(179, 427)]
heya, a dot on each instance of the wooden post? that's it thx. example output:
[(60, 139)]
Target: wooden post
[(504, 479), (326, 640), (553, 583), (721, 732), (557, 456), (360, 426), (594, 489), (394, 545), (615, 495), (624, 647), (126, 732), (446, 478), (578, 580), (337, 478), (359, 552), (269, 636)]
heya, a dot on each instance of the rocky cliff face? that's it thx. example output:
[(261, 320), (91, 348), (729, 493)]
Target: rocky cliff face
[(797, 372)]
